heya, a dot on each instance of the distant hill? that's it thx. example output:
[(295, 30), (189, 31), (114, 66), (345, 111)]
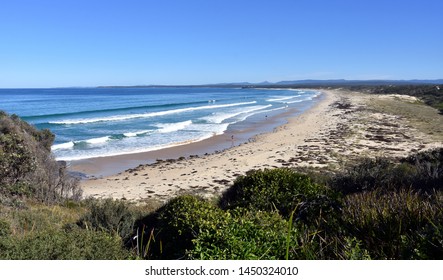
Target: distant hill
[(299, 83), (360, 82), (333, 83)]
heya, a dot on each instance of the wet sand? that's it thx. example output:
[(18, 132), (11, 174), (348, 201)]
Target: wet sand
[(342, 127)]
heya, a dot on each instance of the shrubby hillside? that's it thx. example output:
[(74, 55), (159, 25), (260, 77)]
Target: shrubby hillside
[(27, 168), (39, 201), (376, 210)]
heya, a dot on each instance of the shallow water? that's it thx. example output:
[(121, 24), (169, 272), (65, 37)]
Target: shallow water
[(99, 122)]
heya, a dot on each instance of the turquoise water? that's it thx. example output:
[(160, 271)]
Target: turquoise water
[(97, 122)]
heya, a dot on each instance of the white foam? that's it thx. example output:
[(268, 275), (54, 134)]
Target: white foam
[(148, 115), (220, 117), (296, 101), (271, 110), (277, 98), (212, 129), (63, 146), (99, 140), (130, 134), (171, 127), (134, 134), (71, 144), (308, 98)]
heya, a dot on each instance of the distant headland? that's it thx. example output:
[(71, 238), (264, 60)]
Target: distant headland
[(301, 83)]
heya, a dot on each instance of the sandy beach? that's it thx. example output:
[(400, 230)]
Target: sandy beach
[(342, 127)]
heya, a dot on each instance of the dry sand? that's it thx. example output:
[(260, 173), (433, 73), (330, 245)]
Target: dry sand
[(342, 127)]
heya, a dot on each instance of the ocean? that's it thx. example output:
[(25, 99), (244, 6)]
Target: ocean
[(99, 122)]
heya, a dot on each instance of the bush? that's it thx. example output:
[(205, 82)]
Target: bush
[(422, 171), (249, 235), (428, 169), (5, 228), (352, 250), (60, 245), (190, 227), (44, 137), (27, 167), (177, 223), (396, 225), (279, 189), (245, 236), (368, 175), (111, 216)]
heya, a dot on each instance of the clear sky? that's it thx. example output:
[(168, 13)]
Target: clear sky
[(139, 42)]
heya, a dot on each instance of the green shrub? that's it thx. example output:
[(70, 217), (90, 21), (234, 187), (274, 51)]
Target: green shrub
[(44, 137), (112, 216), (368, 175), (17, 190), (190, 227), (177, 223), (5, 228), (27, 167), (396, 225), (251, 234), (16, 159), (60, 245), (352, 250), (279, 189), (427, 168), (316, 208), (422, 171), (246, 236)]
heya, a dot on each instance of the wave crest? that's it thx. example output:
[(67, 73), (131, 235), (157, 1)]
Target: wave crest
[(146, 115)]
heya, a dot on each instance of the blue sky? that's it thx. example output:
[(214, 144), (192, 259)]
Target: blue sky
[(133, 42)]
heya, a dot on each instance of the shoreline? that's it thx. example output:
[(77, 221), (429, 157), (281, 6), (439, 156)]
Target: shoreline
[(190, 167), (236, 135), (340, 128)]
